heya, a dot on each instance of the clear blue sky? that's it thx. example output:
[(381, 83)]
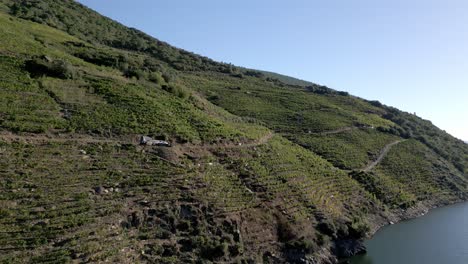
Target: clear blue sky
[(411, 54)]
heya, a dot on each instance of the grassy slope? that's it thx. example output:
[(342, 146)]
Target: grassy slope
[(225, 191), (287, 79)]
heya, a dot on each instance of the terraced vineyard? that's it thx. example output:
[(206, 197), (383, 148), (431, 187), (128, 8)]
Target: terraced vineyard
[(51, 197), (290, 174), (24, 106), (412, 171), (347, 150), (254, 167)]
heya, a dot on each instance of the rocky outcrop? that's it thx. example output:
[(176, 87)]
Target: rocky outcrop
[(145, 140)]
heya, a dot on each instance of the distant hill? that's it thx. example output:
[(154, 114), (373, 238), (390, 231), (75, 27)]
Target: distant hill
[(243, 166)]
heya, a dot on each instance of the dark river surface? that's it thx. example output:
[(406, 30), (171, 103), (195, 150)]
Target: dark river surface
[(440, 237)]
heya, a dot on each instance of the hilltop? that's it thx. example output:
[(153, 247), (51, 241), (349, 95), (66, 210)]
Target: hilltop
[(251, 166)]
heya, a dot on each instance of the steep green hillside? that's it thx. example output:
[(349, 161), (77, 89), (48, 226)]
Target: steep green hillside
[(286, 79), (258, 167)]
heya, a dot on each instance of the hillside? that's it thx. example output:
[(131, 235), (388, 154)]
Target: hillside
[(256, 167)]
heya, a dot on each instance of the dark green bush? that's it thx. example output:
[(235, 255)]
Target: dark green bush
[(319, 89), (210, 248), (97, 57), (358, 228), (327, 227), (63, 69), (45, 66), (168, 77), (137, 73), (237, 75), (302, 244), (376, 103), (4, 213), (152, 64), (178, 90), (254, 73), (156, 77)]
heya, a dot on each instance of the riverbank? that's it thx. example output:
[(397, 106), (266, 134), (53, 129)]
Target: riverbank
[(440, 236), (399, 215), (378, 221)]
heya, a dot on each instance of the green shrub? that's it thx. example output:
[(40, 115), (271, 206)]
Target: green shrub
[(210, 248), (137, 73), (237, 75), (45, 66), (64, 70), (156, 77), (168, 77), (322, 240), (97, 57), (178, 90), (301, 244), (358, 228), (327, 227), (253, 73), (4, 213)]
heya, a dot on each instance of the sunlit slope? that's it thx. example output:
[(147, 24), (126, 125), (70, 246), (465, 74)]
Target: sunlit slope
[(259, 169)]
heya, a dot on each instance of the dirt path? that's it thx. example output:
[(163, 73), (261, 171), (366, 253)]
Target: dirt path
[(337, 131), (187, 148), (341, 130), (85, 139), (178, 149), (43, 138), (381, 156), (258, 142)]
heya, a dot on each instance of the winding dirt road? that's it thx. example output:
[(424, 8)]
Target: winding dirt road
[(85, 139), (43, 138), (381, 156), (261, 141), (337, 131)]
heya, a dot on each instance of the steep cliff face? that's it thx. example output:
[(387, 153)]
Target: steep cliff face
[(246, 166)]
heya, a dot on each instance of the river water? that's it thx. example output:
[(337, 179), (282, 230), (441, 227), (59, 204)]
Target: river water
[(439, 237)]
